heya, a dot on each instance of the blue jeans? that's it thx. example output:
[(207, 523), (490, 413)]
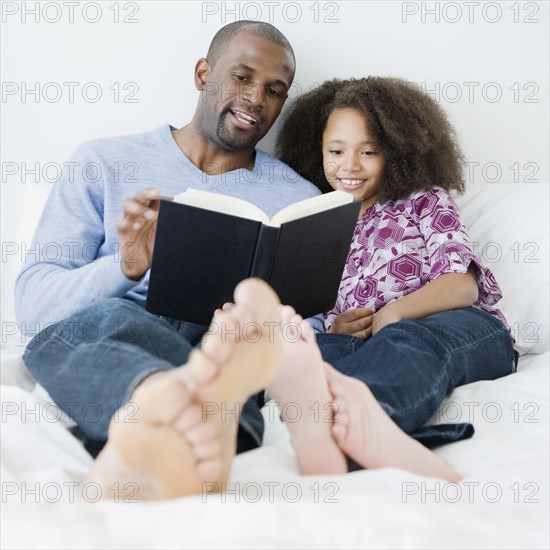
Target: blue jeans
[(92, 362), (411, 366)]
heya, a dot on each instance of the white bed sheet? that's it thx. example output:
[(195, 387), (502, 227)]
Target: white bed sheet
[(386, 508)]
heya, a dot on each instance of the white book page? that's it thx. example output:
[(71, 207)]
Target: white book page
[(221, 203), (304, 208)]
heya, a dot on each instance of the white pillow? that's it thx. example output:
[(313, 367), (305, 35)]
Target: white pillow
[(509, 223)]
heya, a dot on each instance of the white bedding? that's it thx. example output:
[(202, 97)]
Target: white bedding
[(503, 500), (385, 508)]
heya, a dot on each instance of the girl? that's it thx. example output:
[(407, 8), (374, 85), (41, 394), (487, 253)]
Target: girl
[(415, 315)]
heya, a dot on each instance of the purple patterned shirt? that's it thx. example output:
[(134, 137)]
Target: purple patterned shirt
[(399, 246)]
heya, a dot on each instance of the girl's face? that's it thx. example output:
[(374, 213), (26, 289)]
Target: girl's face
[(350, 159)]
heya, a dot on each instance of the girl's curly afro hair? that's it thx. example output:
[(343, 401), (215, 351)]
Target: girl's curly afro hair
[(409, 128)]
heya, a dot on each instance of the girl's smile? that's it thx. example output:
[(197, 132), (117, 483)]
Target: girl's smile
[(350, 157)]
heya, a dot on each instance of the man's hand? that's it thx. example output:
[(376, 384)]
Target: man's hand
[(136, 232), (356, 321)]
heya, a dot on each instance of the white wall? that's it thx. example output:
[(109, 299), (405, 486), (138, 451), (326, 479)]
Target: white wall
[(497, 47)]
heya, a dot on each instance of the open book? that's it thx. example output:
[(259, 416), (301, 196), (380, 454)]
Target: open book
[(206, 243)]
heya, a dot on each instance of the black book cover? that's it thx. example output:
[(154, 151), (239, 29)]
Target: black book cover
[(201, 255), (310, 258)]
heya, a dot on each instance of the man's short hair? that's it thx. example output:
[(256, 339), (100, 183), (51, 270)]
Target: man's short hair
[(255, 28)]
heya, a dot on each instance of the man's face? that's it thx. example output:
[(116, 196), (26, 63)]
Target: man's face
[(243, 94)]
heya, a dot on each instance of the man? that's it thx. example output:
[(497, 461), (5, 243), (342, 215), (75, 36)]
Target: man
[(103, 343)]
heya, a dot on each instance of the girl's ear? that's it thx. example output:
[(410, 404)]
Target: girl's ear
[(202, 70)]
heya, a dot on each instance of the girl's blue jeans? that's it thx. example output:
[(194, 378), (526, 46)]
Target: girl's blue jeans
[(91, 363)]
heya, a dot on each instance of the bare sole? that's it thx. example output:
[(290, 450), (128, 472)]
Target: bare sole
[(181, 438), (371, 438)]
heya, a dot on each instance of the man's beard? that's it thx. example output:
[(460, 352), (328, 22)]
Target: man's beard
[(242, 141)]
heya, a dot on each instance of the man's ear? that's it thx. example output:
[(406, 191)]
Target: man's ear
[(202, 70)]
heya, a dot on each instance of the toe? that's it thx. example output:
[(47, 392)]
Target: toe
[(340, 406), (207, 450), (169, 391), (333, 408), (200, 434), (307, 332), (256, 295), (223, 334), (286, 313), (190, 418), (291, 330), (339, 433), (342, 419), (200, 369), (335, 388)]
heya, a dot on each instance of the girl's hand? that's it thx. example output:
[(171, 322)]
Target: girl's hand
[(384, 317), (356, 322)]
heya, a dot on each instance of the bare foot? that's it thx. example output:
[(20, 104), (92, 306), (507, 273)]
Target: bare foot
[(185, 431), (302, 394), (370, 437)]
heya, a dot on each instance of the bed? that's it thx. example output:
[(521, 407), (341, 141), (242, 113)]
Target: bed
[(502, 501)]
